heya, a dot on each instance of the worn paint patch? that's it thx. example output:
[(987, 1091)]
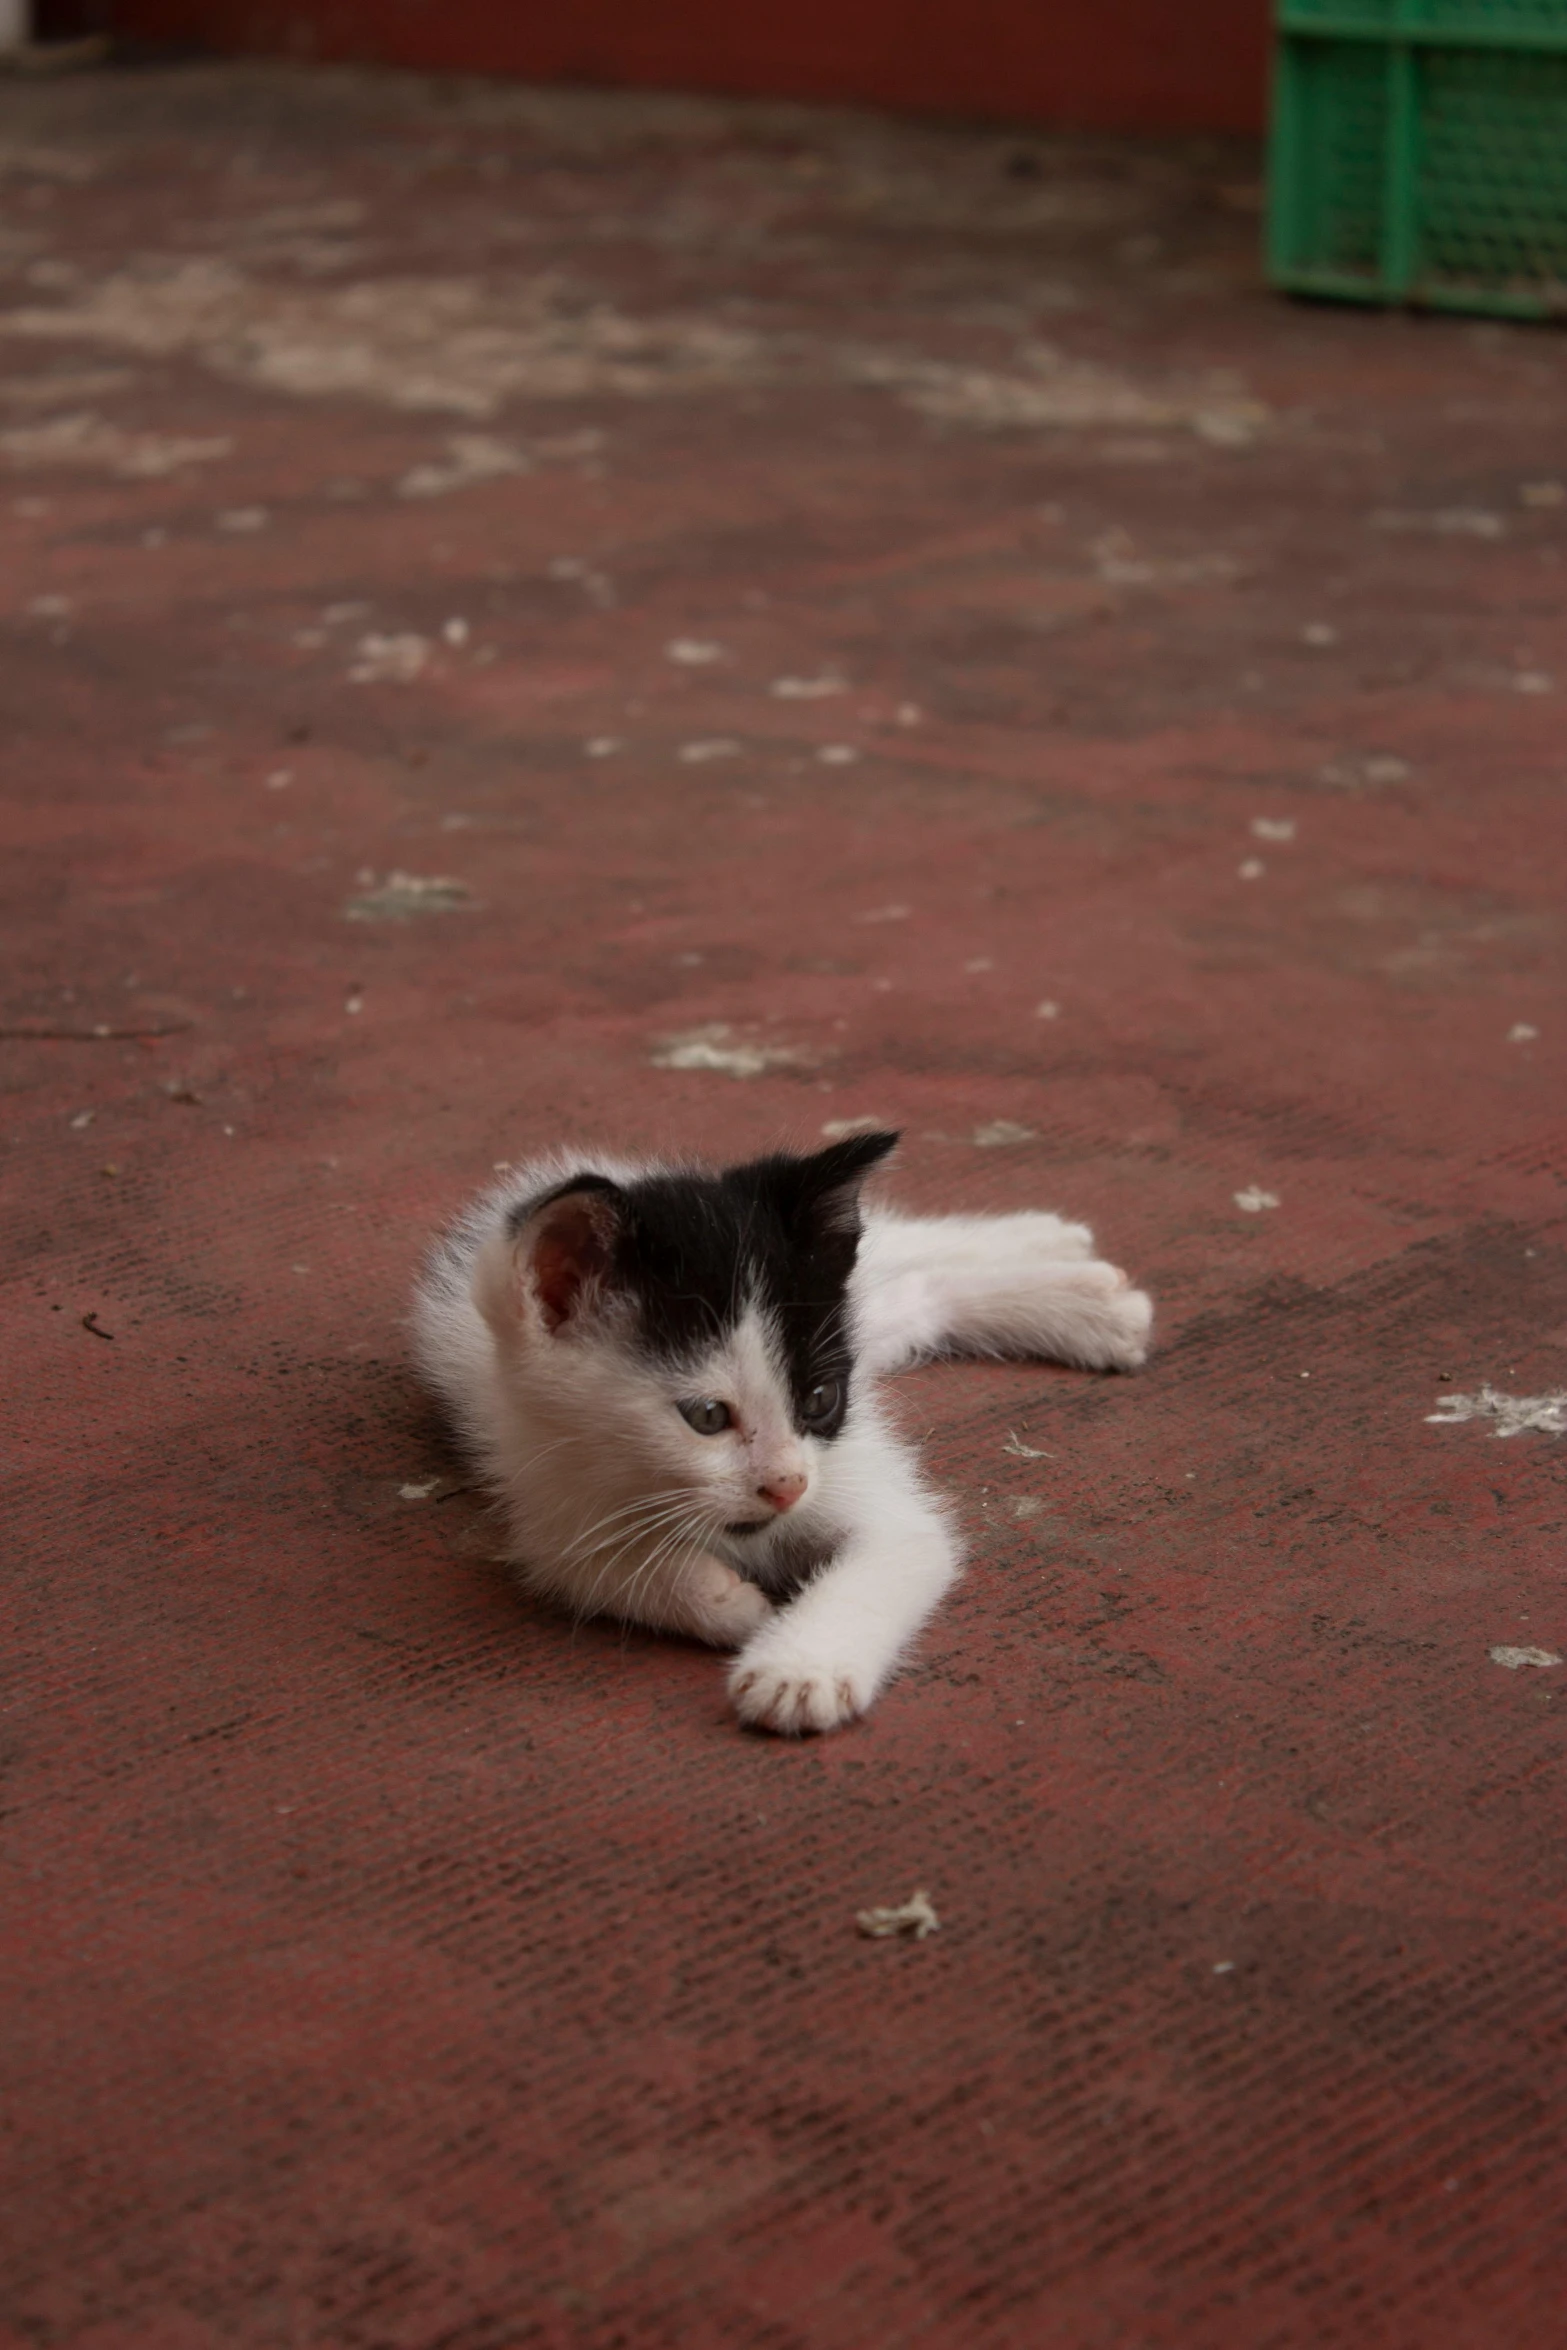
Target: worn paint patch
[(91, 443), (59, 389), (1001, 1131), (1462, 522), (1513, 1660), (1513, 1414), (470, 457), (595, 585), (467, 346), (1052, 388), (1349, 774), (433, 343), (716, 1046), (1253, 1200), (404, 897), (1119, 564)]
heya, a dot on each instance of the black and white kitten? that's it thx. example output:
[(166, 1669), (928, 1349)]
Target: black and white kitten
[(669, 1378)]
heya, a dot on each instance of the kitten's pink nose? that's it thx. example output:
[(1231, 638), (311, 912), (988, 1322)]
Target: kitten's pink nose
[(783, 1491)]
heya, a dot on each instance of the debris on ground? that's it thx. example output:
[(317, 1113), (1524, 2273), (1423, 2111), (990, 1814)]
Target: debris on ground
[(912, 1919), (399, 658), (715, 1046), (1512, 1413), (402, 897)]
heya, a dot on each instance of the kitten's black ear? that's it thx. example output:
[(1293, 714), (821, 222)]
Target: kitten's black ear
[(566, 1246), (830, 1180)]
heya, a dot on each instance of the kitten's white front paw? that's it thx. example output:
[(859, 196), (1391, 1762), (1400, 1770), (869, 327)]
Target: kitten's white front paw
[(795, 1693), (727, 1609)]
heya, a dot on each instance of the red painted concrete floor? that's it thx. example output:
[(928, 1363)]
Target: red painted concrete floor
[(441, 483)]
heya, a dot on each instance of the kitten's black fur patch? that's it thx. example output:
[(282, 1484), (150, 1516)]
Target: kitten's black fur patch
[(694, 1250)]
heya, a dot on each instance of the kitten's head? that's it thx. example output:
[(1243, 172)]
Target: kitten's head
[(697, 1323)]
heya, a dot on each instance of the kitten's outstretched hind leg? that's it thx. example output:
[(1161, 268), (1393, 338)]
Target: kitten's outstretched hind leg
[(994, 1285)]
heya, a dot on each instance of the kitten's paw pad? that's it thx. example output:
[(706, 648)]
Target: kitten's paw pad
[(795, 1701)]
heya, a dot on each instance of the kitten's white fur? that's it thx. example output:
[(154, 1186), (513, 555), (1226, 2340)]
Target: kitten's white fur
[(615, 1506)]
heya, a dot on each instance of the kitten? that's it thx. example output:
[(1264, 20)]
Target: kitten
[(669, 1378)]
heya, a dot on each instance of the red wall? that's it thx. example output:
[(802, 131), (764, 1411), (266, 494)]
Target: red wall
[(1108, 64)]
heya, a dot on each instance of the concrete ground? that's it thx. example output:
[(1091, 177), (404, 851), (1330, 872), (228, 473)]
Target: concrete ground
[(532, 618)]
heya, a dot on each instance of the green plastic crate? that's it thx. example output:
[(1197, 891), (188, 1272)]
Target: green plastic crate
[(1420, 153)]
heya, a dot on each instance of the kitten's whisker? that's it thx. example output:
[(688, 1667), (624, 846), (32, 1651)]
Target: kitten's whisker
[(644, 1519), (693, 1527), (687, 1532), (610, 1547), (631, 1509), (671, 1515)]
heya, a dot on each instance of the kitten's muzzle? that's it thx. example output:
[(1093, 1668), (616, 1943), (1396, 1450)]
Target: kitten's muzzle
[(783, 1491)]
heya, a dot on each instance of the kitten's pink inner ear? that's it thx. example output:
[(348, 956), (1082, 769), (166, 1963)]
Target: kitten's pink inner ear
[(570, 1253)]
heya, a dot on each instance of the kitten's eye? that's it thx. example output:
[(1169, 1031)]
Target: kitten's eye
[(706, 1415), (822, 1402)]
